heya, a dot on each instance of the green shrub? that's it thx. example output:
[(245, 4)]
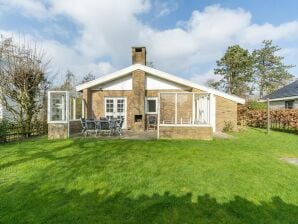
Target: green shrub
[(254, 105)]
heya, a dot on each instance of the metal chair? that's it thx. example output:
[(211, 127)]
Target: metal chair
[(104, 127), (88, 126), (151, 122), (118, 126)]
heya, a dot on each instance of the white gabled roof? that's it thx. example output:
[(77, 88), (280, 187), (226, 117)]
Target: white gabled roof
[(159, 74)]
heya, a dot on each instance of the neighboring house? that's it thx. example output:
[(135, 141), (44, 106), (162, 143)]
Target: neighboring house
[(138, 93), (284, 98)]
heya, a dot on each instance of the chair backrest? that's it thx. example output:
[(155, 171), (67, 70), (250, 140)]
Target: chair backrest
[(104, 125), (83, 122), (152, 120), (121, 123), (90, 124)]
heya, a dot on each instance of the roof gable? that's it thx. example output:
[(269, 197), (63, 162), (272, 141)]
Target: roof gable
[(160, 74)]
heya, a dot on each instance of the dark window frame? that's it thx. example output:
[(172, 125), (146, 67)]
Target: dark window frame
[(289, 104)]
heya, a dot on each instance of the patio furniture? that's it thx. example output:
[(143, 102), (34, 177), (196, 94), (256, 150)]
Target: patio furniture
[(103, 126), (118, 126), (88, 126), (151, 122)]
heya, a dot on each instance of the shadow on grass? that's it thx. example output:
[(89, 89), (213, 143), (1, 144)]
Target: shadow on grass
[(25, 203)]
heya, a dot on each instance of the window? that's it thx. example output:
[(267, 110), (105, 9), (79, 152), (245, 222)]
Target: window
[(138, 49), (57, 107), (110, 105), (289, 104), (151, 105)]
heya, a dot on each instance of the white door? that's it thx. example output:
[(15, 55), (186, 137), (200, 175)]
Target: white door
[(115, 107), (202, 110)]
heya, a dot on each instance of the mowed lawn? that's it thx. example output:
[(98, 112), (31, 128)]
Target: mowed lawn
[(240, 180)]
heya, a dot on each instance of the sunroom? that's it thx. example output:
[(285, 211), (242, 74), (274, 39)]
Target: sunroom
[(186, 115)]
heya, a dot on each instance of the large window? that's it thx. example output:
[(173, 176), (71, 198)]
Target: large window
[(151, 105), (289, 104), (57, 107)]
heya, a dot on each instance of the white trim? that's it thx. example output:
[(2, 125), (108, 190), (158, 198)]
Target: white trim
[(115, 107), (158, 116), (160, 74), (279, 99), (146, 105), (213, 112), (66, 107)]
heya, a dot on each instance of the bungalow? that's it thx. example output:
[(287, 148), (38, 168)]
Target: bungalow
[(284, 98), (141, 94)]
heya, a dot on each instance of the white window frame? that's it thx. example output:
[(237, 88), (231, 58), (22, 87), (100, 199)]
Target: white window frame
[(156, 105), (115, 106), (65, 113)]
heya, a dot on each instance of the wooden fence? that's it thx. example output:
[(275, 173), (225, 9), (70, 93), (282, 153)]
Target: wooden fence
[(14, 133), (282, 119)]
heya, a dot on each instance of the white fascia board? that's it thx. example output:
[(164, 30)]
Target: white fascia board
[(160, 74), (278, 99), (106, 78)]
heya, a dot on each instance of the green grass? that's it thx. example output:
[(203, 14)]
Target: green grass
[(242, 180)]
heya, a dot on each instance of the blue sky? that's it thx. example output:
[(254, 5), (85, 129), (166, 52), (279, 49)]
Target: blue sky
[(182, 37)]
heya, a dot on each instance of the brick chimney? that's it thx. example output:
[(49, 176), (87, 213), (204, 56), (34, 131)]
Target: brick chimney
[(138, 55)]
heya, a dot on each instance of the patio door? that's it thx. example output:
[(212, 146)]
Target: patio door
[(115, 107)]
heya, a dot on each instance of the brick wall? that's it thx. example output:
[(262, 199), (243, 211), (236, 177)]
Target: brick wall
[(57, 131), (226, 111), (184, 132)]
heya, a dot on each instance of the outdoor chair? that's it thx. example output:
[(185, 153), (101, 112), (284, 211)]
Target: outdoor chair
[(104, 127), (151, 122), (88, 126), (83, 125), (118, 126)]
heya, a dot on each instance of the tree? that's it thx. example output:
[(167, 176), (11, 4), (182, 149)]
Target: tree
[(23, 80), (269, 71), (236, 68), (87, 78), (69, 83)]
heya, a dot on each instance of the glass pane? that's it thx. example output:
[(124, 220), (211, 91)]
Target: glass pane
[(58, 107), (167, 108), (110, 105), (151, 105), (184, 108), (120, 106)]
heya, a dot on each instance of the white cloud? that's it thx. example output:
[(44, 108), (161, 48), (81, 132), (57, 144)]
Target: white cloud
[(108, 29), (203, 78), (164, 8)]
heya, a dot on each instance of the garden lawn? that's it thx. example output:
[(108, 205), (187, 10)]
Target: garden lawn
[(240, 180)]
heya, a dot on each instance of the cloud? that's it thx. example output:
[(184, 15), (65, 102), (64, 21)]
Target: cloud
[(203, 78), (106, 30), (164, 8)]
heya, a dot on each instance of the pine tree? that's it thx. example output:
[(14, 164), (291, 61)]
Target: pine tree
[(236, 69), (269, 71)]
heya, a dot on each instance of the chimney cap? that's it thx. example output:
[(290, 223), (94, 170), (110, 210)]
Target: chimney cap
[(139, 55)]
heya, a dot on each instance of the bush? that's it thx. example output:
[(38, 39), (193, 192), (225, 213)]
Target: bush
[(4, 130), (228, 126)]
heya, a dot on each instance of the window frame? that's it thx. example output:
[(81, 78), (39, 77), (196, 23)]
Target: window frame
[(64, 109), (147, 106), (287, 104)]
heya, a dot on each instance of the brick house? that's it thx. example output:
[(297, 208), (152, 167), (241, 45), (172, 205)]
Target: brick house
[(181, 108)]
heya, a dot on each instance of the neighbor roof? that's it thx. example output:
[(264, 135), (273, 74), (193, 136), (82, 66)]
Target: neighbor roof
[(286, 92), (159, 74)]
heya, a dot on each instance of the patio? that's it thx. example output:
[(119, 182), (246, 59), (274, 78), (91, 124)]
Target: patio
[(126, 134)]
